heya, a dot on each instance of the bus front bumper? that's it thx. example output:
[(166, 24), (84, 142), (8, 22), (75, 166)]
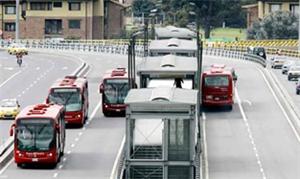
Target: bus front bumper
[(22, 157)]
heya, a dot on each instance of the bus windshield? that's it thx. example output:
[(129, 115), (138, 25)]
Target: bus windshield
[(35, 134), (215, 81), (69, 97), (115, 91)]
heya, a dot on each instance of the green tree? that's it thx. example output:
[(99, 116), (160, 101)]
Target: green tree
[(278, 25)]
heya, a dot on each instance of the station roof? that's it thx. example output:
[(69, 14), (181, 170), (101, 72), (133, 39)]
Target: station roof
[(167, 64), (161, 95), (174, 32), (173, 44)]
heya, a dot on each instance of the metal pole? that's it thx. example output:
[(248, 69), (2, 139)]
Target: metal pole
[(299, 28), (17, 20)]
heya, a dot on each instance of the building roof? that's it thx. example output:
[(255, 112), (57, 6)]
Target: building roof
[(173, 44), (174, 32), (169, 64), (161, 95)]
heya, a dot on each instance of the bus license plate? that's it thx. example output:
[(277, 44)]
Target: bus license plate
[(118, 110), (35, 160), (217, 99)]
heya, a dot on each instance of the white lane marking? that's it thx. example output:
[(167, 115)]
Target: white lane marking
[(23, 92), (72, 145), (38, 68), (6, 166), (80, 133), (280, 105), (247, 101), (250, 135), (11, 77), (64, 159), (69, 152), (64, 68), (55, 175), (4, 176), (60, 166), (76, 139), (8, 68), (117, 159), (205, 147), (95, 111), (34, 82)]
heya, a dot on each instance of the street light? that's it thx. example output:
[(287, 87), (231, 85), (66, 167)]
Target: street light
[(17, 20)]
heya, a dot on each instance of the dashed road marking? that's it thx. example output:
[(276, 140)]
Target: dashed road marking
[(38, 68), (250, 135), (8, 68), (55, 175), (60, 166), (72, 145), (69, 152)]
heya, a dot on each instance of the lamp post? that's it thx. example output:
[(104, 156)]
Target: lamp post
[(17, 20)]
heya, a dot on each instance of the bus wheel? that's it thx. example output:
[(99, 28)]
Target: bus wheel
[(230, 107), (106, 114), (20, 165)]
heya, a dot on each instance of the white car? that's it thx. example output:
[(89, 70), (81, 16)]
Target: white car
[(278, 62), (294, 72), (286, 66)]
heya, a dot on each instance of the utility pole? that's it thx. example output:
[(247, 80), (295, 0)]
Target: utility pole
[(17, 19)]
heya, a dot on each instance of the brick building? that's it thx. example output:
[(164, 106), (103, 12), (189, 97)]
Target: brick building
[(264, 7), (77, 19)]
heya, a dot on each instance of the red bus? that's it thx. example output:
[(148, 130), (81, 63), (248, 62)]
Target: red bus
[(114, 88), (39, 135), (72, 93), (217, 88)]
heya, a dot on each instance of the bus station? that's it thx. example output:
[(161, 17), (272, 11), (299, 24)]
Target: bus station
[(161, 133)]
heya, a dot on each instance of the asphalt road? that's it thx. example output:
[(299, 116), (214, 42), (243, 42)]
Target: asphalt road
[(254, 140), (91, 150)]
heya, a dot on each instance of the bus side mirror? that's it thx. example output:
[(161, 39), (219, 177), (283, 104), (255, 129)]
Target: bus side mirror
[(11, 131), (57, 128), (101, 88)]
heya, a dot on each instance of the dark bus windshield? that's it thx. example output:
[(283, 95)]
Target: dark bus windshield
[(69, 97), (115, 91), (214, 81), (35, 134)]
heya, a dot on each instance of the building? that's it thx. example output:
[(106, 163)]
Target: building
[(264, 7), (73, 19)]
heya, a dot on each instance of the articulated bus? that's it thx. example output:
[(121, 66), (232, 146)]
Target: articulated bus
[(39, 135), (168, 71), (217, 88), (114, 88), (72, 92)]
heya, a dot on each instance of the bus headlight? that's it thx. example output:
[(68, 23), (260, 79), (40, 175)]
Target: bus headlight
[(209, 97), (50, 154), (79, 115)]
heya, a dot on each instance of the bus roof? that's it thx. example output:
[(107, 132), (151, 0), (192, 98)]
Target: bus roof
[(70, 82), (173, 45), (217, 71), (168, 65), (172, 31), (40, 111), (116, 73)]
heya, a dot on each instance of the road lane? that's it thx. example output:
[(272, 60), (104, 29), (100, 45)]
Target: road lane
[(263, 146)]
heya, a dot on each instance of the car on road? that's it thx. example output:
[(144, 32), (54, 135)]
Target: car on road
[(294, 72), (298, 87), (286, 66), (278, 62), (9, 108), (17, 48)]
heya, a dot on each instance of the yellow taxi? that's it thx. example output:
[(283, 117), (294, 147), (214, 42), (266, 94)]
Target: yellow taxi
[(9, 108), (15, 48)]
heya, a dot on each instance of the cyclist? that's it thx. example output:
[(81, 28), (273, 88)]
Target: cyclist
[(19, 56)]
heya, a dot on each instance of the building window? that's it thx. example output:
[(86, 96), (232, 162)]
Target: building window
[(41, 6), (275, 7), (74, 24), (294, 8), (57, 4), (10, 9), (53, 26), (74, 6), (9, 26)]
